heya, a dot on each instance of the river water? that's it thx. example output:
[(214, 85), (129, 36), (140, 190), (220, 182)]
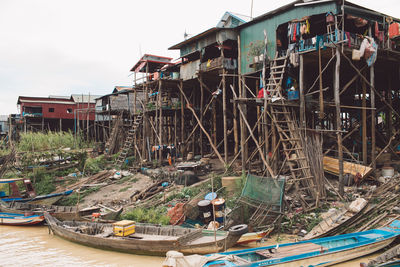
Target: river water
[(33, 246)]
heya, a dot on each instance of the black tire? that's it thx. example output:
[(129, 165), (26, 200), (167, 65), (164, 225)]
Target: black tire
[(239, 229)]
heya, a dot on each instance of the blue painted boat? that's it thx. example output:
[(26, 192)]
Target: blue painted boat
[(29, 195), (20, 219), (318, 252)]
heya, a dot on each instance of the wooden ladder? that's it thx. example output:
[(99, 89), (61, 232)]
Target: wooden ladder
[(113, 136), (288, 130), (129, 140)]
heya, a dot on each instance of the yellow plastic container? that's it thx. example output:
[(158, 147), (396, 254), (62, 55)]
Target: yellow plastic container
[(124, 228)]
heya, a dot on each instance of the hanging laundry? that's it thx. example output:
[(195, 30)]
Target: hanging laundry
[(303, 28), (394, 30), (378, 34), (307, 27), (368, 50), (294, 33)]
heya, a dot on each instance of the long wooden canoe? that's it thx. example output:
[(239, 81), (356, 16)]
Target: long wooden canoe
[(63, 213), (20, 219), (147, 239), (325, 251)]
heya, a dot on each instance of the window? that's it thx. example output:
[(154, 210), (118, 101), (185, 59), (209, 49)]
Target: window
[(51, 109), (69, 110)]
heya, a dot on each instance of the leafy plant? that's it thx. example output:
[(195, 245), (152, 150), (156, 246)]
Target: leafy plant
[(152, 215)]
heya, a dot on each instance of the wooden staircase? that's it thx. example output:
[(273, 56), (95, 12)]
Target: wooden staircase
[(288, 130), (129, 141)]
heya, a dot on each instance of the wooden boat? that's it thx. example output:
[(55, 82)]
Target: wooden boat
[(147, 239), (20, 219), (336, 219), (29, 195), (318, 252), (254, 237), (64, 213)]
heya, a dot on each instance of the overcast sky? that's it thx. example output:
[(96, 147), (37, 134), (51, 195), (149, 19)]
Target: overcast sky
[(61, 47)]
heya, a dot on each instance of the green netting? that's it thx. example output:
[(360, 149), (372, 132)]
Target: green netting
[(264, 190)]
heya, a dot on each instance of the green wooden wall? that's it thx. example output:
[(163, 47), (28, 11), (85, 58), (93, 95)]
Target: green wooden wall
[(253, 35)]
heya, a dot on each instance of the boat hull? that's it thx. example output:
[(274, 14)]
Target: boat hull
[(319, 252), (155, 245), (20, 220), (337, 257)]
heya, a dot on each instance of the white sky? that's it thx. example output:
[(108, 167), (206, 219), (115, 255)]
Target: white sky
[(61, 47)]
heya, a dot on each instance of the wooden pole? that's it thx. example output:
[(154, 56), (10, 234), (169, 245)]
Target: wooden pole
[(224, 115), (301, 91), (214, 114), (235, 125), (373, 118), (389, 116), (338, 121), (201, 115), (321, 92), (373, 112), (364, 124), (182, 119), (241, 124), (161, 119)]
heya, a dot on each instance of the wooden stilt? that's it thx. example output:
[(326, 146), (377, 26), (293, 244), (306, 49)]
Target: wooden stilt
[(182, 119), (364, 124), (224, 115), (201, 115), (373, 118), (338, 121)]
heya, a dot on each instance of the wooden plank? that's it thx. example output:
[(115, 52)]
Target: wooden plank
[(331, 165)]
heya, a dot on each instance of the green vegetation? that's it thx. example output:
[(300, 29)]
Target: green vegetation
[(151, 215), (45, 141), (42, 181), (94, 165)]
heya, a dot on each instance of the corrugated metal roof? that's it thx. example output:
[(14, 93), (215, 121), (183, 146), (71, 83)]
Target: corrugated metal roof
[(84, 98), (3, 117), (154, 62)]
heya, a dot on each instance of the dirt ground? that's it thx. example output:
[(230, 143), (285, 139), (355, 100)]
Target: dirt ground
[(118, 193)]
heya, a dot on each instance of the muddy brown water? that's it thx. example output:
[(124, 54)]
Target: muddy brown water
[(33, 246)]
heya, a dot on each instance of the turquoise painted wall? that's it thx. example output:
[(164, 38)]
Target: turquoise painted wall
[(254, 33)]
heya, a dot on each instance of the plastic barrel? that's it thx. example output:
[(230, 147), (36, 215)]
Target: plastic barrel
[(219, 207), (205, 209)]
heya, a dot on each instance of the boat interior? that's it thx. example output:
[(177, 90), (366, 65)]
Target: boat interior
[(304, 248)]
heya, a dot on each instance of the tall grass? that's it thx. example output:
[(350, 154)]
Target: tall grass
[(46, 141)]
